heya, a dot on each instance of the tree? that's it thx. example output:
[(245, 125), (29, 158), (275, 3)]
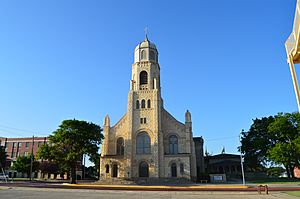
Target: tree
[(70, 142), (23, 165), (256, 142), (3, 157), (285, 148)]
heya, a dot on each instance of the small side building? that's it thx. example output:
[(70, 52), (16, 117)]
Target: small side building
[(228, 164)]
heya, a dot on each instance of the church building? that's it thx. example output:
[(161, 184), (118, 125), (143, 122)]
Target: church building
[(148, 142)]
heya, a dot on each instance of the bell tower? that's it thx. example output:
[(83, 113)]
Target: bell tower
[(144, 110), (145, 69)]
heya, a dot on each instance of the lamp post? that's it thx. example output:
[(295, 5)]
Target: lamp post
[(242, 160)]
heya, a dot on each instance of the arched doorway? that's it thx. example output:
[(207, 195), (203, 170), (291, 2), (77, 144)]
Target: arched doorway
[(173, 170), (144, 169), (114, 171)]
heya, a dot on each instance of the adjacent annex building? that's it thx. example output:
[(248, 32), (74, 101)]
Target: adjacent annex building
[(148, 142)]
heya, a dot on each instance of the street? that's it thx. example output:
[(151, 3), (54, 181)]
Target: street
[(42, 193)]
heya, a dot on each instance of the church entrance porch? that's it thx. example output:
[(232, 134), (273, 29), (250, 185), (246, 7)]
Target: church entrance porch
[(144, 169)]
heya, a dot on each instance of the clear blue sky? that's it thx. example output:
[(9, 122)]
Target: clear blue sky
[(223, 60)]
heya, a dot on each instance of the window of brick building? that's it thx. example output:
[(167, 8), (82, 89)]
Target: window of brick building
[(40, 144), (27, 145)]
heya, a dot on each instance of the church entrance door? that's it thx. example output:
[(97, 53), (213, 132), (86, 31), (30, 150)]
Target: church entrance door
[(144, 169), (115, 171), (174, 170)]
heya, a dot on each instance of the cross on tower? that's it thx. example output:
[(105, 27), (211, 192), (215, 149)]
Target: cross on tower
[(146, 32)]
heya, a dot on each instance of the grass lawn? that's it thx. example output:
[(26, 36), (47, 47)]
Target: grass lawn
[(294, 193)]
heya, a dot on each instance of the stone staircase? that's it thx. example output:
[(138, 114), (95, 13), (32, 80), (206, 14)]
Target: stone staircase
[(145, 181)]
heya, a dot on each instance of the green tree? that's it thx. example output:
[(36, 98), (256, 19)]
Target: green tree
[(3, 157), (23, 165), (256, 142), (275, 171), (285, 147), (70, 142)]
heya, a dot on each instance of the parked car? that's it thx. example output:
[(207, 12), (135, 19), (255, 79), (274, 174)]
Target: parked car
[(3, 177)]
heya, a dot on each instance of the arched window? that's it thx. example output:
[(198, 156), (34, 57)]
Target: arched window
[(143, 104), (143, 78), (107, 168), (143, 143), (181, 168), (173, 144), (148, 104), (173, 170), (152, 55), (143, 54), (137, 104), (120, 146)]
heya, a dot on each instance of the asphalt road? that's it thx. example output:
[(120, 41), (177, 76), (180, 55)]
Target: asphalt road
[(47, 193)]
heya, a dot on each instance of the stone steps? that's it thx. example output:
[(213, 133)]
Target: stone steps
[(146, 181)]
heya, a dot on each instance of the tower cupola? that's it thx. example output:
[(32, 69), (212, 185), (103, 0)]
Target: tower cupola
[(145, 51)]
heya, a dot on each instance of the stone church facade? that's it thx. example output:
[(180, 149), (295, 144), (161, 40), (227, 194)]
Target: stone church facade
[(148, 142)]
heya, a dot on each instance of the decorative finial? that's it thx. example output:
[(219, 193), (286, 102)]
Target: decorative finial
[(146, 33)]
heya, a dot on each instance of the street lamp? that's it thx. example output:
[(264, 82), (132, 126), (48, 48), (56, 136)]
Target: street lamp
[(242, 160)]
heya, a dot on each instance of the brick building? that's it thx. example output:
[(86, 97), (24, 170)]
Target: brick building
[(15, 147)]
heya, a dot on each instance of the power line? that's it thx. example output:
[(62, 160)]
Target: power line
[(11, 132), (28, 131), (8, 129)]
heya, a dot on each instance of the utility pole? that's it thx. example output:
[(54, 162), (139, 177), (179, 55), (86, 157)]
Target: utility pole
[(31, 159), (242, 165)]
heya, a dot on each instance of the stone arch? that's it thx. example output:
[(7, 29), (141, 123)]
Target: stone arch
[(137, 105), (172, 161), (150, 133), (148, 103)]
